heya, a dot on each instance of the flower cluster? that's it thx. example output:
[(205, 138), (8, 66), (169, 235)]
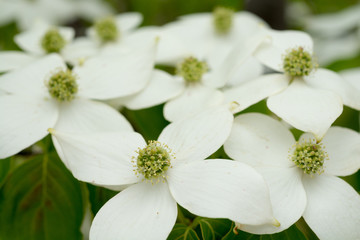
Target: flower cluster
[(221, 63)]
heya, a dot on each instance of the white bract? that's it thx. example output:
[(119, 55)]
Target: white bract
[(46, 94), (315, 96), (41, 39), (302, 176), (165, 172)]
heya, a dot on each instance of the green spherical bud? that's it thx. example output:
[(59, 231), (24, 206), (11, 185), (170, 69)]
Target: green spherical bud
[(153, 161), (309, 156), (223, 19), (298, 62), (192, 69), (106, 29), (62, 86), (52, 41)]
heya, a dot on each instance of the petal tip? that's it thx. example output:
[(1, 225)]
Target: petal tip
[(51, 130), (276, 223)]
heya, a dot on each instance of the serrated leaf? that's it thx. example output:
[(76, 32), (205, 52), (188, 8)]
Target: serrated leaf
[(290, 234), (40, 200), (182, 232)]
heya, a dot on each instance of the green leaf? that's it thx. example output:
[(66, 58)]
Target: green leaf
[(214, 228), (149, 122), (290, 234), (98, 196), (182, 232), (5, 165), (40, 200)]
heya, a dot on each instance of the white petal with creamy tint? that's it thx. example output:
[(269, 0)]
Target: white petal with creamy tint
[(234, 60), (271, 53), (30, 40), (352, 76), (79, 50), (329, 80), (128, 21), (333, 208), (24, 121), (259, 141), (343, 147), (288, 199), (221, 189), (193, 100), (85, 116), (255, 90), (106, 77), (197, 137), (142, 211), (99, 158), (161, 87), (306, 108), (10, 60), (247, 71), (30, 80)]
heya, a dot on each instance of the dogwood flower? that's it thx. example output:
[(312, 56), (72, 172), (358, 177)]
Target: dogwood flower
[(38, 41), (315, 96), (165, 172), (301, 175), (46, 94)]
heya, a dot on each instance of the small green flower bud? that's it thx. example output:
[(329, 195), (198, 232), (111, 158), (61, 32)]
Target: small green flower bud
[(223, 19), (62, 86), (106, 29), (52, 41), (298, 62), (192, 70)]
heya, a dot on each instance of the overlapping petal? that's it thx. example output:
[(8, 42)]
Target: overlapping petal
[(140, 211), (221, 189)]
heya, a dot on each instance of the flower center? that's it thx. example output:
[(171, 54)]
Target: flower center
[(153, 161), (309, 156), (223, 19), (298, 62), (52, 41), (62, 86), (106, 29), (192, 69)]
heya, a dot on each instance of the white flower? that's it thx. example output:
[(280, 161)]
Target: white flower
[(302, 175), (315, 96), (25, 12), (352, 76), (45, 94), (165, 172)]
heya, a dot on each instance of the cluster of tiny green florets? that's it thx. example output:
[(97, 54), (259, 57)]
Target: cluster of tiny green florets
[(153, 161), (52, 41), (298, 62), (106, 29), (192, 69), (62, 86), (309, 156), (223, 19)]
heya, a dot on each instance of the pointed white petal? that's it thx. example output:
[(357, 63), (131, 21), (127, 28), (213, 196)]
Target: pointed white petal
[(259, 141), (10, 60), (30, 80), (255, 90), (128, 21), (106, 77), (234, 60), (343, 147), (85, 116), (221, 189), (140, 211), (352, 76), (288, 199), (194, 99), (199, 136), (271, 53), (333, 208), (306, 108), (161, 87), (329, 80), (24, 121), (99, 158), (79, 50)]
